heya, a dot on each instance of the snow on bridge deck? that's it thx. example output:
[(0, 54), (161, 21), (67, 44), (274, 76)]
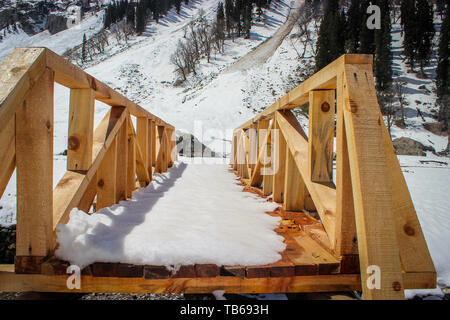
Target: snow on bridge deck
[(193, 214)]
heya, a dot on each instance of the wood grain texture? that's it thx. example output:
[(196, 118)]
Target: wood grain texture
[(372, 193), (34, 158), (321, 135), (346, 242), (11, 282), (81, 129), (8, 154)]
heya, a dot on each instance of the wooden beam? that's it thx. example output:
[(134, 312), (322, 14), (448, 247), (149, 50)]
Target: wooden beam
[(131, 163), (161, 160), (81, 129), (71, 188), (324, 79), (372, 193), (414, 253), (321, 135), (11, 282), (74, 77), (263, 140), (279, 164), (8, 154), (122, 162), (323, 195), (89, 196), (18, 73), (295, 189), (346, 240), (34, 158), (106, 178), (142, 139)]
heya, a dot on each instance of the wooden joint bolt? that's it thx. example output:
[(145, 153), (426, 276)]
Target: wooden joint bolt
[(325, 107)]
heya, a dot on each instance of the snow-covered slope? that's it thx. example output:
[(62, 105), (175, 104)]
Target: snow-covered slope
[(213, 102)]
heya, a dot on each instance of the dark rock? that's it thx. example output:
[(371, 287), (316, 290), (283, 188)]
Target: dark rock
[(7, 244), (410, 147), (56, 23)]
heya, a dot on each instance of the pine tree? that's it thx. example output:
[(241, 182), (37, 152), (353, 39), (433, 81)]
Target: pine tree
[(220, 16), (141, 17), (443, 69), (229, 8), (366, 36), (247, 17), (425, 33), (330, 44), (83, 49), (353, 25), (383, 51), (178, 6)]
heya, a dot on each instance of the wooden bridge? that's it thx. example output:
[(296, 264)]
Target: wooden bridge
[(353, 234)]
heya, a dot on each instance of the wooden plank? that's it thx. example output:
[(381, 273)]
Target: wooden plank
[(295, 189), (324, 79), (346, 242), (321, 135), (156, 272), (121, 163), (279, 164), (8, 154), (207, 270), (106, 178), (119, 270), (323, 195), (72, 186), (34, 158), (81, 129), (18, 73), (313, 254), (89, 196), (372, 190), (11, 282)]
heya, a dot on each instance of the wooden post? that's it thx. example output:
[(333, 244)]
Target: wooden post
[(321, 135), (161, 161), (122, 161), (8, 155), (106, 178), (34, 158), (150, 151), (279, 165), (142, 138), (372, 193), (346, 240), (294, 187), (131, 164), (88, 196), (81, 129), (267, 170)]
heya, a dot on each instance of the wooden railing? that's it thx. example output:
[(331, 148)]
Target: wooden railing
[(368, 211), (105, 164)]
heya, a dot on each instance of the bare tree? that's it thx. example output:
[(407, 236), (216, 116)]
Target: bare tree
[(400, 92)]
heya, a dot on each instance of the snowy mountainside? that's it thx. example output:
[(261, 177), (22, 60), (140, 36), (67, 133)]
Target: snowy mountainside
[(213, 102)]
